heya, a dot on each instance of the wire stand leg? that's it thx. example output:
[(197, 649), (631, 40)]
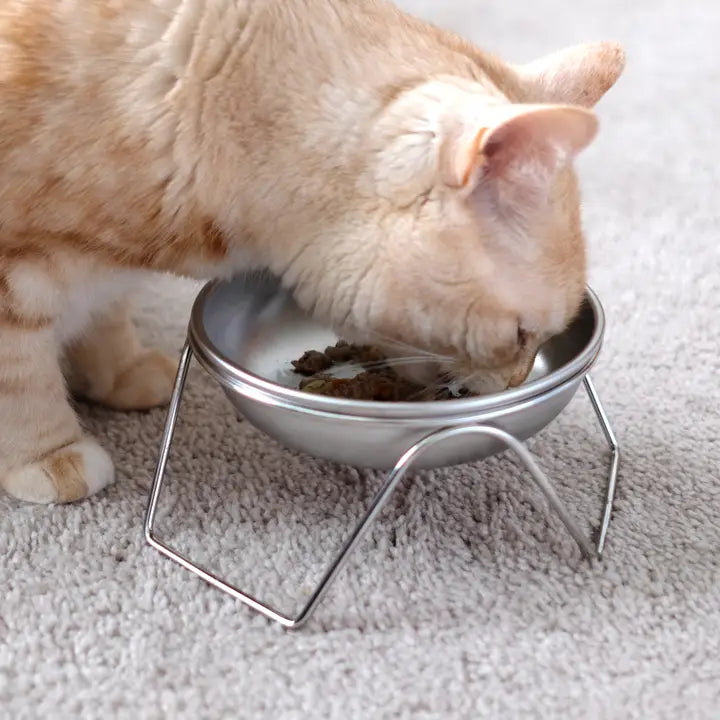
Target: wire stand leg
[(379, 501), (168, 432), (614, 462)]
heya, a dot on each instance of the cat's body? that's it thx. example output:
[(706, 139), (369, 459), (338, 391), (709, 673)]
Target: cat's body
[(375, 163)]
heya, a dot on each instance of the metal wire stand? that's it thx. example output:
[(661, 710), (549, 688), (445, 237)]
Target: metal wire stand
[(589, 549)]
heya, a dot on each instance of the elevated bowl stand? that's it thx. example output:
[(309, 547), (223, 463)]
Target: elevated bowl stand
[(589, 548)]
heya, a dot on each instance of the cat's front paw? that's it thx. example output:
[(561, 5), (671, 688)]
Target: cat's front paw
[(65, 475), (145, 384)]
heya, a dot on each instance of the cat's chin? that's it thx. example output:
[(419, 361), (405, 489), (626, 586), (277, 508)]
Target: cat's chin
[(486, 383), (429, 374)]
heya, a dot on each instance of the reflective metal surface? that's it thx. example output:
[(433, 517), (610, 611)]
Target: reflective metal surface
[(246, 331), (402, 466), (406, 462)]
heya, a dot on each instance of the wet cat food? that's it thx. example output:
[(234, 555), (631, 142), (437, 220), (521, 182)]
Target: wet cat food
[(375, 382), (312, 362)]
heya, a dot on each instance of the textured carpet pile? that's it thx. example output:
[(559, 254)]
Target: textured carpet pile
[(467, 600)]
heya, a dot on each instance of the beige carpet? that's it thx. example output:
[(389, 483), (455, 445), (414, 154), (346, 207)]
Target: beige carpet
[(466, 601)]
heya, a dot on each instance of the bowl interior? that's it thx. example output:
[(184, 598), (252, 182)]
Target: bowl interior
[(253, 324)]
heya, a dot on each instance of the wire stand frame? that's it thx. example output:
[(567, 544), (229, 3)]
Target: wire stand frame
[(588, 548)]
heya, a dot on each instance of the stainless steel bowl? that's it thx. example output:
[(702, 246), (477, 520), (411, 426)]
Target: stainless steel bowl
[(246, 331)]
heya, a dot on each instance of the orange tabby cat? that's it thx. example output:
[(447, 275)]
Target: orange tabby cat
[(404, 183)]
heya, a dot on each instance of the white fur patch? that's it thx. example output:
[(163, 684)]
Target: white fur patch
[(34, 291), (91, 297), (33, 483)]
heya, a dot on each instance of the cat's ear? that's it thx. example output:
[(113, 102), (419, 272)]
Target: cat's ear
[(531, 141), (578, 75)]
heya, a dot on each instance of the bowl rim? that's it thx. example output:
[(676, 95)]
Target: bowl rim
[(232, 376)]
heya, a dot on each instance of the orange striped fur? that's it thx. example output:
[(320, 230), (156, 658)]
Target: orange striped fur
[(403, 182)]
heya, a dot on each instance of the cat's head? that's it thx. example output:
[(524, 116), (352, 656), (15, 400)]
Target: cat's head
[(464, 237)]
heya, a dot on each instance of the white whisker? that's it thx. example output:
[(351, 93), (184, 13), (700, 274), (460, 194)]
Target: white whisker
[(394, 362), (401, 345)]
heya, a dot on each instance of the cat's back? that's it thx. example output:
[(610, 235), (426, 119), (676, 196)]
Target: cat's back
[(57, 57), (76, 80), (102, 102)]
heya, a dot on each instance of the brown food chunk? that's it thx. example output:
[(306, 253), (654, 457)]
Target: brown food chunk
[(312, 362), (377, 382), (367, 354), (316, 382), (342, 352), (365, 386)]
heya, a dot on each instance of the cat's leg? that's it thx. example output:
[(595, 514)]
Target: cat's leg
[(108, 365), (44, 456)]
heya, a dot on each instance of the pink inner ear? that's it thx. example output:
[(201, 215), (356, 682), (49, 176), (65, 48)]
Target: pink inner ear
[(513, 146), (499, 152), (541, 136)]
